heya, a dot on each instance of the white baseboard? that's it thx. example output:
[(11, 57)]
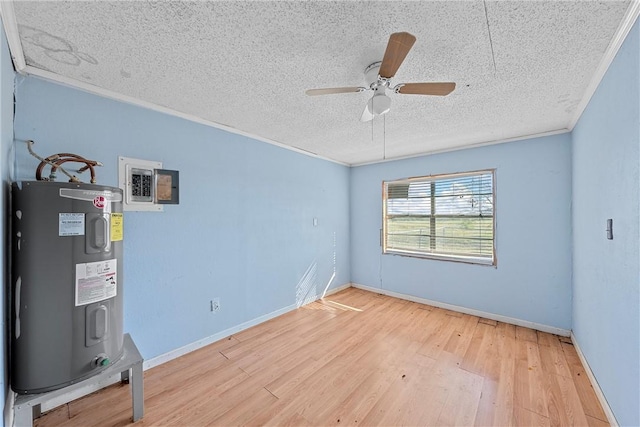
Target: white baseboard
[(596, 387), (471, 311), (163, 358)]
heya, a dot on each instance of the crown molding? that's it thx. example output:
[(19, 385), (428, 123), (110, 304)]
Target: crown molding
[(626, 25)]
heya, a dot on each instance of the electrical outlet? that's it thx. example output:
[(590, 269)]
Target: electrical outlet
[(215, 305)]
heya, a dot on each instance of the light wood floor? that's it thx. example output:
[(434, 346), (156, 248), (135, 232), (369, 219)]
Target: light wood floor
[(359, 358)]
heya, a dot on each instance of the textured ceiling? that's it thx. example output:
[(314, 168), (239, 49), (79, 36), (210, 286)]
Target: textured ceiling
[(521, 67)]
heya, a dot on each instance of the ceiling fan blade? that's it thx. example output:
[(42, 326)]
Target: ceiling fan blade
[(397, 49), (437, 89), (331, 90), (367, 115)]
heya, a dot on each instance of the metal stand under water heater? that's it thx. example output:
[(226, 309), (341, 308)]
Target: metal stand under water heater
[(67, 294)]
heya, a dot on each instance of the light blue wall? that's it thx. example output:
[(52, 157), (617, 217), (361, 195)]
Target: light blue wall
[(243, 230), (6, 139), (532, 280), (606, 277)]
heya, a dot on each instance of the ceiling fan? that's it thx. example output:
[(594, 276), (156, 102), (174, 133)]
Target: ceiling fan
[(378, 79)]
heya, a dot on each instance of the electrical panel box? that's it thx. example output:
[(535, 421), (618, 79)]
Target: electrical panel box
[(136, 178), (141, 184)]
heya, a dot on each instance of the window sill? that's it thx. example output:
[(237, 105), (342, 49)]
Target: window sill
[(463, 259)]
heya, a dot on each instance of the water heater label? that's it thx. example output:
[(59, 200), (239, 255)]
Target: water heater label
[(117, 227), (96, 281), (71, 224)]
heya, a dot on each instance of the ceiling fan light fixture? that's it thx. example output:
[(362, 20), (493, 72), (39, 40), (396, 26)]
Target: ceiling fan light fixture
[(367, 115), (379, 104)]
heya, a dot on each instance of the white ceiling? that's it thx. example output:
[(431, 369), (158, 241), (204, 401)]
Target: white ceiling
[(521, 67)]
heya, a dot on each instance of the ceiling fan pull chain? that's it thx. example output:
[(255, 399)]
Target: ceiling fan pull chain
[(384, 137)]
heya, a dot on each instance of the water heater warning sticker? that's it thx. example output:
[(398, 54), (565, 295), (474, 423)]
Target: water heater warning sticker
[(116, 227), (71, 224), (96, 281)]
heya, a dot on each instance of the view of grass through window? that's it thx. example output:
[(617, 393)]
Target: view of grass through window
[(450, 215)]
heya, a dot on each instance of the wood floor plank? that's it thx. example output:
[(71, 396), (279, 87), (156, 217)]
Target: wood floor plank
[(201, 410), (505, 342), (563, 403), (391, 361), (488, 321), (358, 357), (441, 328), (278, 350), (337, 345), (530, 392), (461, 338), (290, 380), (588, 398), (342, 374), (547, 339), (345, 384), (570, 353), (506, 329), (407, 399), (56, 417), (497, 400), (452, 313), (268, 338), (587, 395), (292, 420), (525, 418), (190, 403), (245, 410), (526, 334), (480, 358), (200, 364), (552, 355), (280, 321), (595, 422), (116, 398), (361, 401), (462, 402), (488, 404), (566, 340)]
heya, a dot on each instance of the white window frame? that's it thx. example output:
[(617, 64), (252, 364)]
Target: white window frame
[(435, 255)]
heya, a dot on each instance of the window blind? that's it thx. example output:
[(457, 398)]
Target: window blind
[(450, 216)]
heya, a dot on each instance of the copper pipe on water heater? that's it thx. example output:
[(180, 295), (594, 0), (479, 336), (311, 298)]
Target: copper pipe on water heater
[(56, 160), (61, 158)]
